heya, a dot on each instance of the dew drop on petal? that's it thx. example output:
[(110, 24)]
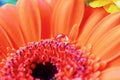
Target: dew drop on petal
[(62, 38)]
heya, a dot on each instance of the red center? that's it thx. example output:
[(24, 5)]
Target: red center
[(63, 57)]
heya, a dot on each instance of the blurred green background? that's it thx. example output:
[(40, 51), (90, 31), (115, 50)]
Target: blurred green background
[(2, 2)]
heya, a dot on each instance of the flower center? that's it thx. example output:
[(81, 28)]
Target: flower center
[(44, 71), (52, 59)]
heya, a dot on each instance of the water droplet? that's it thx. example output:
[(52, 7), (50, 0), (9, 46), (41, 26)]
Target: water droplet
[(62, 38)]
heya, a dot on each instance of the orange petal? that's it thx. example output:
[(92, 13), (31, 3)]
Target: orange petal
[(51, 2), (91, 21), (103, 26), (74, 33), (87, 12), (4, 41), (108, 45), (111, 74), (30, 19), (45, 12), (65, 15), (114, 63), (7, 12)]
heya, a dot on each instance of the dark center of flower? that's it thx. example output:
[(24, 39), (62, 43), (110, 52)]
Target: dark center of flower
[(51, 59), (44, 71)]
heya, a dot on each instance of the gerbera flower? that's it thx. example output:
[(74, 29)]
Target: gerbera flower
[(61, 40), (110, 6)]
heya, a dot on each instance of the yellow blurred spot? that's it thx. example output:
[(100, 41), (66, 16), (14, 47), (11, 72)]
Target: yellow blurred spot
[(110, 6), (117, 3), (98, 3)]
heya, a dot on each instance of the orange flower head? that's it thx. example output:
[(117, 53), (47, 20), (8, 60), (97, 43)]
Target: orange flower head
[(58, 40)]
